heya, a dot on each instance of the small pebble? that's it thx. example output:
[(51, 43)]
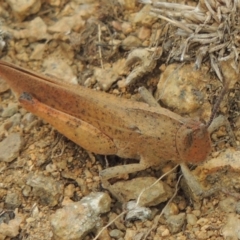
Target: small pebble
[(175, 222), (22, 9), (115, 233), (202, 235), (10, 147), (202, 221), (12, 200), (28, 118), (10, 110), (45, 188), (89, 180), (228, 204), (144, 17), (197, 213), (16, 119), (231, 228), (126, 27), (88, 174), (182, 205), (131, 42), (96, 178), (144, 33), (26, 191), (69, 190), (191, 219), (165, 233), (75, 220), (171, 209), (130, 234), (51, 168), (137, 212), (161, 229)]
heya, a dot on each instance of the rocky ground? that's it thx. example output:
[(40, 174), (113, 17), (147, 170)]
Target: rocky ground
[(50, 187)]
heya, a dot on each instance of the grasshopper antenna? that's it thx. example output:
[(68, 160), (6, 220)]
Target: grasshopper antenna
[(217, 104)]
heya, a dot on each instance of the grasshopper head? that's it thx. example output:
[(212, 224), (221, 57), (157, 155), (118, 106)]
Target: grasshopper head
[(193, 142)]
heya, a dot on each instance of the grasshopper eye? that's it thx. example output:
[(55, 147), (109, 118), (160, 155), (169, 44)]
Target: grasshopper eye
[(193, 143)]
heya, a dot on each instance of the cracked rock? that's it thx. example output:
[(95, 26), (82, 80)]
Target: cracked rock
[(45, 188), (77, 219)]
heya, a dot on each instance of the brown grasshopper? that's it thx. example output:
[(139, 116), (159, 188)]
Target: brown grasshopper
[(108, 125)]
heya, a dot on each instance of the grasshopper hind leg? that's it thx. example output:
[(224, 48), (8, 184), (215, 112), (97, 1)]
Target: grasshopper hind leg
[(77, 130)]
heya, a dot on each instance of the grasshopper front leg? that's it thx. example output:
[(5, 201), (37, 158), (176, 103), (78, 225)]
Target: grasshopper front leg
[(112, 172)]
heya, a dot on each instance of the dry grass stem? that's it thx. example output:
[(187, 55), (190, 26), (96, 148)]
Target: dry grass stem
[(210, 31), (156, 220), (99, 47), (159, 179)]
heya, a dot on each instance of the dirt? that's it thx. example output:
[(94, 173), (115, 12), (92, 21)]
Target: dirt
[(90, 46)]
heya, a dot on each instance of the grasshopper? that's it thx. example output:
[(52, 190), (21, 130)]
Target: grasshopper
[(109, 125)]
